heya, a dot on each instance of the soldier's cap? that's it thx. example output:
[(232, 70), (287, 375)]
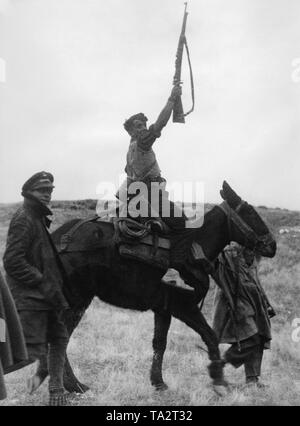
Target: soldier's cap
[(38, 180), (129, 123)]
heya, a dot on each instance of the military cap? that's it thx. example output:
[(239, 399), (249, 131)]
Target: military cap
[(38, 180), (129, 123)]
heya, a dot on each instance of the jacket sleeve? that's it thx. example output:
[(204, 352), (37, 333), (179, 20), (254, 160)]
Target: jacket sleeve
[(19, 241), (147, 139)]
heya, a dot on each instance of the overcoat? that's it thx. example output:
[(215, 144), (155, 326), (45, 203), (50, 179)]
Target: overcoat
[(240, 306), (30, 260), (13, 354)]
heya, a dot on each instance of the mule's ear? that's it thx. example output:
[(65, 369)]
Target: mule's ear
[(228, 194), (222, 194)]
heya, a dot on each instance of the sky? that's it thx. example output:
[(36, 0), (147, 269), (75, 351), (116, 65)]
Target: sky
[(71, 72)]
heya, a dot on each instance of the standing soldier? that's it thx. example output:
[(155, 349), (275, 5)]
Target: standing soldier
[(13, 354), (242, 311), (35, 281)]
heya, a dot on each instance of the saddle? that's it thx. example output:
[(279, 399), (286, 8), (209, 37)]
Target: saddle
[(137, 241), (134, 240)]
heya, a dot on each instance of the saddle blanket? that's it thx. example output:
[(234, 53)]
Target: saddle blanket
[(152, 250)]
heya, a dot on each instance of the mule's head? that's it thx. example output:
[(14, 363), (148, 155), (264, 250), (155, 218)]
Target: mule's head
[(245, 225)]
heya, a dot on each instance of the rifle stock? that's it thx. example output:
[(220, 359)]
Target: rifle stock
[(178, 114)]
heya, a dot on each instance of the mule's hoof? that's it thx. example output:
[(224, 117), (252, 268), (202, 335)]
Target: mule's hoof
[(161, 387), (57, 399), (221, 390)]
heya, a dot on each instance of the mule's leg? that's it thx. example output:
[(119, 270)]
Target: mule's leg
[(184, 307), (162, 323)]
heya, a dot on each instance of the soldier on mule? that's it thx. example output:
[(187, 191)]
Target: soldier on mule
[(142, 166), (94, 267)]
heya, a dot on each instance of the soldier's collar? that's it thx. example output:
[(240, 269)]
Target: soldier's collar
[(35, 205)]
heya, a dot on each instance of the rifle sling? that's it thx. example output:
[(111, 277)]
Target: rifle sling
[(191, 78)]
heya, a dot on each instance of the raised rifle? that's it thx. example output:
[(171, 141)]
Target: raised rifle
[(178, 113)]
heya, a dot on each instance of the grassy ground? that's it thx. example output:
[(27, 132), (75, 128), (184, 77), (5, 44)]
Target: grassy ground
[(111, 349)]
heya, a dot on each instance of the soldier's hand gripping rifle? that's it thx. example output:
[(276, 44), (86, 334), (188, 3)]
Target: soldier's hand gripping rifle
[(178, 114)]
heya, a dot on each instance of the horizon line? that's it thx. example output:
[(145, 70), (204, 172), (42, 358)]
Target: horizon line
[(178, 201)]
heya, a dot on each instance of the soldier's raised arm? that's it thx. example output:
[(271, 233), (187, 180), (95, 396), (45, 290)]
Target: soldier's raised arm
[(165, 114)]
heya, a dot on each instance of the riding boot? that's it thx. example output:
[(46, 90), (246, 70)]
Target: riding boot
[(195, 278)]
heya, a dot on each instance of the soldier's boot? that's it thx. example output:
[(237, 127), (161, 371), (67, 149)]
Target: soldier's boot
[(57, 393), (253, 367), (57, 398)]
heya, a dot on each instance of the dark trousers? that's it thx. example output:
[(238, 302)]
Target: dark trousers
[(194, 277), (46, 339), (41, 328), (174, 222), (251, 355), (169, 212)]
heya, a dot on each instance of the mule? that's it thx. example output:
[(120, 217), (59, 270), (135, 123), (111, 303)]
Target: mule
[(94, 267)]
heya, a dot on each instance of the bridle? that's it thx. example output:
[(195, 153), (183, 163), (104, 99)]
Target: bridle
[(251, 238)]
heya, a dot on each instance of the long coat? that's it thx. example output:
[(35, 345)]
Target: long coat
[(242, 294), (30, 261), (13, 354)]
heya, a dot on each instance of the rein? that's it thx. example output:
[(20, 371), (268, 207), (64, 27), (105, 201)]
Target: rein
[(232, 216)]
